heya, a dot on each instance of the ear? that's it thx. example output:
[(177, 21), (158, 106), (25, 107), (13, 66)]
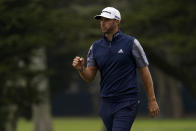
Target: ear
[(118, 22)]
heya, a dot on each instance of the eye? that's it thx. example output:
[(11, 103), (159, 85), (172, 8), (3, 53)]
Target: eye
[(107, 19)]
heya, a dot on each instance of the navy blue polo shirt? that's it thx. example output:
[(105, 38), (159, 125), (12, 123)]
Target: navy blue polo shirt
[(117, 61)]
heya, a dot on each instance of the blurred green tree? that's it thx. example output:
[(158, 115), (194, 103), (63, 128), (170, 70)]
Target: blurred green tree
[(25, 26), (167, 31)]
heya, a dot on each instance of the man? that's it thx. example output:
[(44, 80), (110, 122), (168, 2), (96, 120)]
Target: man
[(117, 56)]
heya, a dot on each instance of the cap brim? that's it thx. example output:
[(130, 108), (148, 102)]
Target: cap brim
[(97, 17)]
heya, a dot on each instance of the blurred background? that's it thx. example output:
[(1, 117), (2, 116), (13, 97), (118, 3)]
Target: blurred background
[(39, 89)]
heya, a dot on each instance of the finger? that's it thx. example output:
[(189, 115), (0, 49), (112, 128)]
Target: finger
[(81, 59), (152, 114), (77, 59), (75, 62), (156, 112)]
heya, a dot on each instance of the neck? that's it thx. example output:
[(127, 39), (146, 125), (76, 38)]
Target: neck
[(109, 35)]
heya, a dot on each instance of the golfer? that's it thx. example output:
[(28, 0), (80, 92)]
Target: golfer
[(117, 56)]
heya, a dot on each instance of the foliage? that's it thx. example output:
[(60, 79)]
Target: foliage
[(25, 26), (167, 31)]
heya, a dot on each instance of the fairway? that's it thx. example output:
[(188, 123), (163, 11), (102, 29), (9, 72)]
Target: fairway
[(164, 125), (95, 124)]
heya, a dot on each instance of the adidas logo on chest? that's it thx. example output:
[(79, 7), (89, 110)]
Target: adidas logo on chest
[(120, 51)]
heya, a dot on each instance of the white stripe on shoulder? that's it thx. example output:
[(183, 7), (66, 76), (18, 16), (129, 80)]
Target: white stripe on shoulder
[(137, 43)]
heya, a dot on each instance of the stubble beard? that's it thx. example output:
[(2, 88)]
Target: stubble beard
[(109, 30)]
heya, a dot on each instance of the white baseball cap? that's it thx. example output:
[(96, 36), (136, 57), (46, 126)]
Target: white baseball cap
[(110, 13)]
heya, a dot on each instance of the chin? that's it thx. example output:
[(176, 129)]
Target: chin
[(104, 31)]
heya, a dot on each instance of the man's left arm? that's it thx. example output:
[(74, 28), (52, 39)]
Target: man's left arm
[(142, 65), (148, 84)]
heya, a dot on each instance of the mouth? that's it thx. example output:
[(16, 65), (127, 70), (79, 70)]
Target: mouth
[(103, 27)]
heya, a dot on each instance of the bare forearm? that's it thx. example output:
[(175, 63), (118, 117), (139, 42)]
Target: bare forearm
[(153, 107), (148, 83), (87, 74)]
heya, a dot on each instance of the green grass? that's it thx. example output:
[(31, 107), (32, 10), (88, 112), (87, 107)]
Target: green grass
[(77, 124), (95, 124), (164, 125)]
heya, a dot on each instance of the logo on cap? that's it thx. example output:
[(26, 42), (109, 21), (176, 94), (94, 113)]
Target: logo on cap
[(106, 12)]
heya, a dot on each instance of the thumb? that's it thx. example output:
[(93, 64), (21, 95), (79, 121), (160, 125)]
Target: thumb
[(82, 60)]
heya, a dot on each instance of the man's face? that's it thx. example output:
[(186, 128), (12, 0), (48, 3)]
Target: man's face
[(107, 25)]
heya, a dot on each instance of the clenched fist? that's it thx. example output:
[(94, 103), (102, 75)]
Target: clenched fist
[(78, 63)]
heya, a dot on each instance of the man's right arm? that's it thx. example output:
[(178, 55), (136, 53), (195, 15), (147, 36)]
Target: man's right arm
[(88, 74)]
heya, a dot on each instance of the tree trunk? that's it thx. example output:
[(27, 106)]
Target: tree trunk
[(170, 100), (8, 118), (163, 93), (41, 110), (176, 99)]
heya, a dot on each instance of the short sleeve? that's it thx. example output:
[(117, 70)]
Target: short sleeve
[(90, 57), (139, 54)]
